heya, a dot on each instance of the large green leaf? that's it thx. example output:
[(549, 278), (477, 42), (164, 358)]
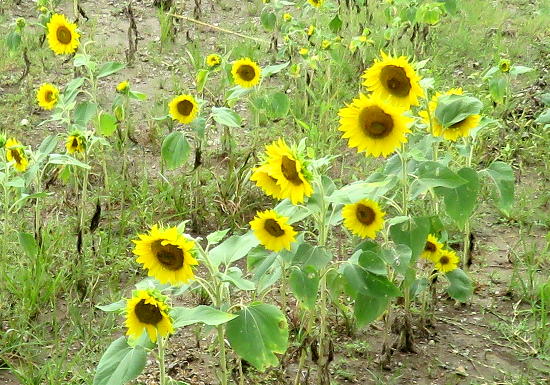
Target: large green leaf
[(278, 105), (29, 245), (175, 149), (361, 281), (259, 331), (268, 19), (109, 68), (412, 233), (235, 276), (84, 112), (273, 69), (120, 364), (304, 283), (461, 201), (67, 160), (368, 308), (308, 255), (233, 248), (460, 285), (183, 316), (226, 116), (375, 186), (497, 88), (503, 176), (434, 174), (107, 124), (452, 109)]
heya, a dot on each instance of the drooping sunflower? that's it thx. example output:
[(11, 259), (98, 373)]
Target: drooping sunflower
[(184, 108), (363, 218), (316, 3), (148, 310), (446, 261), (76, 142), (456, 130), (246, 73), (272, 230), (393, 79), (62, 35), (15, 153), (47, 96), (373, 126), (123, 87), (166, 254), (432, 248), (213, 60), (284, 165), (267, 183)]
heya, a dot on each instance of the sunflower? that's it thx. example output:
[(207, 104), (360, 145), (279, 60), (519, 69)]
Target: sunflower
[(148, 310), (268, 184), (287, 17), (62, 35), (446, 261), (15, 153), (183, 108), (504, 65), (167, 255), (303, 51), (213, 60), (47, 96), (310, 30), (363, 218), (432, 248), (288, 170), (393, 79), (455, 131), (75, 143), (123, 87), (325, 44), (272, 230), (246, 73), (373, 126), (316, 3)]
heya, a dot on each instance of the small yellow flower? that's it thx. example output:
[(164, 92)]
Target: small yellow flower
[(325, 44), (75, 143), (504, 65), (310, 30), (148, 310), (304, 51), (213, 60), (183, 108), (62, 35), (316, 3), (287, 17), (47, 96), (246, 73), (273, 231), (123, 87), (446, 261), (15, 153)]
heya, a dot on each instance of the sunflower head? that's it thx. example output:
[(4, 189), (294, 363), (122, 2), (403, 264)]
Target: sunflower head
[(363, 218), (213, 60), (273, 231), (395, 80), (62, 35), (446, 261), (316, 3), (246, 73), (304, 51), (15, 153), (504, 65), (260, 175), (287, 17), (285, 165), (47, 96), (373, 126), (166, 254), (184, 108), (325, 44), (456, 130), (75, 143), (148, 310), (123, 87), (432, 248), (310, 30)]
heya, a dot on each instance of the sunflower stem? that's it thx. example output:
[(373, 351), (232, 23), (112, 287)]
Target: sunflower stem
[(223, 362), (467, 231), (404, 180), (161, 356)]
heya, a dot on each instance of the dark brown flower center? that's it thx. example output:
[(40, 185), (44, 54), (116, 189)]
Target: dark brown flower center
[(375, 123), (273, 228), (170, 256), (365, 214), (246, 72), (395, 81), (147, 313), (444, 260), (457, 124), (49, 96), (63, 35), (288, 168), (430, 247), (185, 107), (17, 156), (74, 143)]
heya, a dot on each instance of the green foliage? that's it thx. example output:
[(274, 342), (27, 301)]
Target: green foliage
[(175, 149), (120, 363)]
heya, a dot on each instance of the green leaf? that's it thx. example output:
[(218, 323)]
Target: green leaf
[(304, 283), (308, 255), (115, 306), (109, 68), (107, 124), (360, 281), (67, 160), (183, 316), (368, 308), (226, 116), (452, 109), (374, 187), (372, 262), (259, 331), (520, 70), (503, 177), (202, 77), (47, 146), (84, 112), (292, 212), (497, 88), (268, 20), (461, 286), (120, 364), (451, 6), (217, 236), (235, 276), (433, 174), (233, 249), (137, 95), (175, 149), (412, 233), (279, 105), (13, 40), (461, 201), (71, 90), (273, 69), (544, 117), (29, 245), (335, 24)]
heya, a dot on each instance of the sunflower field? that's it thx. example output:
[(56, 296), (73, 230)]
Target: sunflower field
[(274, 192)]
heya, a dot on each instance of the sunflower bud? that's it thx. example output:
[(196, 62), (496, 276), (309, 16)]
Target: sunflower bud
[(504, 65), (21, 23)]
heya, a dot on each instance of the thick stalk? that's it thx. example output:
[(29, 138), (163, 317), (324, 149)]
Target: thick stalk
[(162, 367), (466, 253), (223, 360)]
